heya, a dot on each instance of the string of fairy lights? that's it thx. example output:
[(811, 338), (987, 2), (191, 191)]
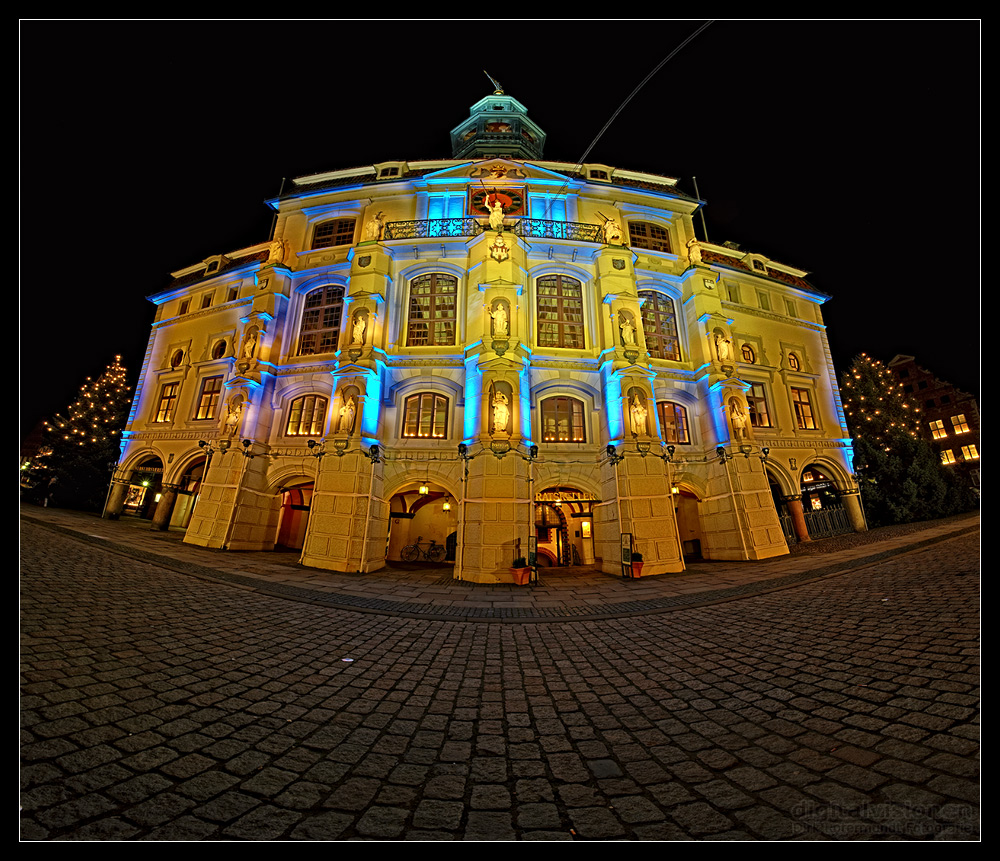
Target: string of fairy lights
[(96, 415)]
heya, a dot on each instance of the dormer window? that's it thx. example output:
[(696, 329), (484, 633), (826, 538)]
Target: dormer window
[(759, 266), (388, 172), (599, 174)]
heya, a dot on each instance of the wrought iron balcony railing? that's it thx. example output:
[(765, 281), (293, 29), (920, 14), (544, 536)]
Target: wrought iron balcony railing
[(537, 228)]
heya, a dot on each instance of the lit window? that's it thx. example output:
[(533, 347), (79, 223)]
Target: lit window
[(562, 420), (307, 416), (651, 236), (793, 362), (433, 300), (969, 452), (757, 404), (659, 323), (674, 423), (339, 231), (425, 416), (947, 457), (560, 312), (937, 430), (208, 400), (960, 424), (803, 410), (168, 400), (748, 354), (322, 311)]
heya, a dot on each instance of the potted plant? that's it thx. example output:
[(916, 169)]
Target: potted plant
[(636, 564), (520, 571)]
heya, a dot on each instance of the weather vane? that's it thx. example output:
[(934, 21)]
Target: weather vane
[(497, 89)]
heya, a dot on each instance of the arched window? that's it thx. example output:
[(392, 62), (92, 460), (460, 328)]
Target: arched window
[(659, 324), (321, 316), (425, 416), (306, 416), (674, 423), (433, 301), (560, 312), (562, 420), (651, 236), (337, 231)]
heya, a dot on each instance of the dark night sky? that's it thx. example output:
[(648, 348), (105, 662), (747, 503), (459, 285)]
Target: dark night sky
[(850, 149)]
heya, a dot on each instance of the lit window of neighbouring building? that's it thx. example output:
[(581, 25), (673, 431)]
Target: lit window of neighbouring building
[(969, 452), (959, 423), (937, 430), (947, 456)]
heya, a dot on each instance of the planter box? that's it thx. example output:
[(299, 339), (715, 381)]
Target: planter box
[(521, 576)]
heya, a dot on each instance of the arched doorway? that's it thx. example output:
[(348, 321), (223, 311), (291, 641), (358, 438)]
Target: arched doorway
[(188, 488), (420, 516), (689, 531), (145, 484), (564, 526), (294, 516), (822, 507)]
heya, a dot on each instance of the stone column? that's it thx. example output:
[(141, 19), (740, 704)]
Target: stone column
[(855, 513), (165, 507), (116, 502), (794, 503)]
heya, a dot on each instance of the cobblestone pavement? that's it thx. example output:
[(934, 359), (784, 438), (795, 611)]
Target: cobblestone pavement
[(160, 706)]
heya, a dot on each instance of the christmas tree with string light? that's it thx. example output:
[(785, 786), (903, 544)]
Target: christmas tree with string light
[(80, 446), (900, 475)]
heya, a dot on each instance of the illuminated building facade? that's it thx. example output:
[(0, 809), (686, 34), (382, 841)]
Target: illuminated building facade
[(494, 352)]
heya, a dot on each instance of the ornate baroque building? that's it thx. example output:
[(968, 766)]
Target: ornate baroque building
[(496, 353)]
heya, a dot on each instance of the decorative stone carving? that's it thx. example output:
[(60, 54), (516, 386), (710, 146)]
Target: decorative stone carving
[(739, 418), (637, 413), (276, 251), (694, 251), (345, 424), (501, 412), (499, 249), (612, 232), (374, 227)]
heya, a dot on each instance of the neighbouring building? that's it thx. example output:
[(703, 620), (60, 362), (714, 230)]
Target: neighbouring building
[(496, 353), (949, 417)]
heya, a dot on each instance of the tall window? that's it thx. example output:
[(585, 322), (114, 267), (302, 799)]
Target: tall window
[(562, 420), (168, 400), (560, 312), (959, 423), (674, 423), (803, 410), (425, 416), (651, 236), (937, 429), (337, 231), (208, 400), (433, 299), (659, 324), (307, 416), (757, 403), (969, 452), (947, 457), (320, 329)]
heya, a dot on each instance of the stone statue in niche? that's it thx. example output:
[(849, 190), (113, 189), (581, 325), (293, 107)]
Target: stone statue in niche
[(723, 347), (498, 313), (501, 412), (374, 227), (740, 420), (250, 343), (637, 412), (346, 422), (694, 251), (358, 330), (234, 412), (627, 330)]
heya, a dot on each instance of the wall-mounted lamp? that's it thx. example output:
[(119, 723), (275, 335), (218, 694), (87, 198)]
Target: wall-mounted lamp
[(246, 449)]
